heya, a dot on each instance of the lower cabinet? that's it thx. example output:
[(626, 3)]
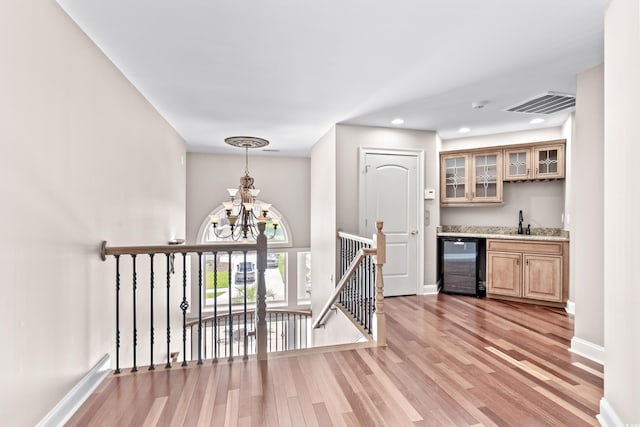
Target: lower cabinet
[(504, 273), (532, 271), (542, 277)]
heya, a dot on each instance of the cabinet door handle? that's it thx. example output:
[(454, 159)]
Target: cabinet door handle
[(527, 172), (527, 262), (518, 261)]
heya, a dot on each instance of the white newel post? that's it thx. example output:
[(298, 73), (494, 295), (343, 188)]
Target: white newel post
[(261, 332), (380, 241)]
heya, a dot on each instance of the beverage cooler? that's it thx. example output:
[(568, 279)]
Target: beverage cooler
[(462, 266)]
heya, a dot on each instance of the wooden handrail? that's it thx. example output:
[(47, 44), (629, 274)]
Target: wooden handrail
[(356, 238), (172, 249)]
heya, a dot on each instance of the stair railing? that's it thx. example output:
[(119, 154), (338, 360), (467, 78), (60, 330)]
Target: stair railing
[(223, 334), (171, 253), (360, 290)]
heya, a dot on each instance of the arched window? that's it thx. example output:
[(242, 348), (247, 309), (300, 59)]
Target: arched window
[(230, 270), (278, 237)]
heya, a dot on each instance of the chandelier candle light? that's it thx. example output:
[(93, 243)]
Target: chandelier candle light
[(242, 212)]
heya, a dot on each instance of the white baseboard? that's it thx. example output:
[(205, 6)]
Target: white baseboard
[(70, 403), (571, 307), (607, 416), (587, 349), (430, 289)]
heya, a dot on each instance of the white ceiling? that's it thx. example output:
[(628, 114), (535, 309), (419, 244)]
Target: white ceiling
[(287, 70)]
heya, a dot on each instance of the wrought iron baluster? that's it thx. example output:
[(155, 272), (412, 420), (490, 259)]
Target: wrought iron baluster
[(295, 341), (359, 292), (238, 333), (135, 326), (184, 305), (152, 332), (285, 333), (168, 365), (215, 345), (117, 314), (306, 331), (373, 289), (244, 338), (363, 290), (270, 329), (342, 256), (230, 318), (369, 292), (204, 340), (253, 340), (224, 336), (199, 309)]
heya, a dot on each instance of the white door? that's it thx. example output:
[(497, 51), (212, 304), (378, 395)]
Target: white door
[(391, 194)]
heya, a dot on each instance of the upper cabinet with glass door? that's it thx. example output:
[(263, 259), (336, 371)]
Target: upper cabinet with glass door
[(454, 178), (548, 161), (487, 179), (517, 164), (471, 178), (530, 162)]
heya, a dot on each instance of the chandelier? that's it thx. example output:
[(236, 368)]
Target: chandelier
[(242, 213)]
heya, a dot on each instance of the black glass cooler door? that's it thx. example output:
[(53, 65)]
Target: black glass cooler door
[(460, 266)]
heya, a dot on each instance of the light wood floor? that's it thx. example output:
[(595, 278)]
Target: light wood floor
[(450, 361)]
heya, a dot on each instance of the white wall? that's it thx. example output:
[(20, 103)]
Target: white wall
[(621, 207), (323, 220), (568, 133), (507, 138), (83, 157), (348, 141), (542, 202), (587, 219)]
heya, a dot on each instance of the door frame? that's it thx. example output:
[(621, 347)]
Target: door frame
[(419, 155)]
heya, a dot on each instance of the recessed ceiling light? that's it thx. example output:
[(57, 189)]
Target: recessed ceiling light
[(397, 121), (478, 105), (464, 130), (536, 120)]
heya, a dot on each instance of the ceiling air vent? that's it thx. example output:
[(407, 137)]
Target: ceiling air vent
[(547, 103)]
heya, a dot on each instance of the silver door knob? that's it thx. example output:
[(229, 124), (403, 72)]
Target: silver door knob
[(414, 232)]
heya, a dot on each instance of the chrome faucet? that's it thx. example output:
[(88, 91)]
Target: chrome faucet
[(520, 231)]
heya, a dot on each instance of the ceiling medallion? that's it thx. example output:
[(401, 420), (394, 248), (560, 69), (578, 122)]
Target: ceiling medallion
[(246, 141)]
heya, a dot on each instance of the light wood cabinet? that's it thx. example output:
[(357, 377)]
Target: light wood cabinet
[(542, 277), (504, 273), (454, 179), (517, 164), (486, 181), (531, 271), (471, 177), (530, 162), (548, 161)]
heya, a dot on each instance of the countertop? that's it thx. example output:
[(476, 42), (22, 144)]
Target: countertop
[(544, 234)]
